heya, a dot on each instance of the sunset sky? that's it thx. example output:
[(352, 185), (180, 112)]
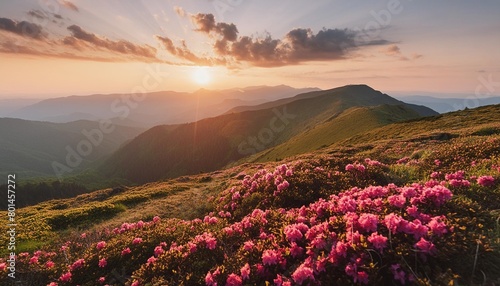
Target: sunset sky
[(53, 48)]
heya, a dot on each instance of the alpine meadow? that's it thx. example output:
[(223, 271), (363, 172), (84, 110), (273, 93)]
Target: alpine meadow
[(233, 142)]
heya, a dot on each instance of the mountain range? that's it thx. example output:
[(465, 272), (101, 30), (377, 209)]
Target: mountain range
[(239, 125), (154, 108), (169, 151)]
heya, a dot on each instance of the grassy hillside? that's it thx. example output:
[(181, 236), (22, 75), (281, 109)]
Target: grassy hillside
[(431, 219), (337, 128), (212, 143), (28, 148)]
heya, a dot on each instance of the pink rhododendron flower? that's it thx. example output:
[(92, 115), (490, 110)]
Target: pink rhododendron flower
[(65, 277), (302, 273), (102, 280), (100, 245), (49, 264), (486, 181), (137, 240), (103, 263), (34, 260), (379, 241), (245, 272), (151, 260), (234, 280), (77, 264), (158, 250), (293, 233), (437, 226), (248, 245), (156, 219), (270, 257), (368, 221), (126, 251), (425, 246)]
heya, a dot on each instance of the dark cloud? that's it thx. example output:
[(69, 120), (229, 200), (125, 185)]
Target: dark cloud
[(69, 5), (206, 23), (298, 45), (23, 28), (80, 39), (37, 14)]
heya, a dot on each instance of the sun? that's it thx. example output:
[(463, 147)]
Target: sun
[(201, 75)]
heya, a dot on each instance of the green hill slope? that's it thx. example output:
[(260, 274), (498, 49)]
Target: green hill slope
[(347, 124), (209, 144), (29, 148)]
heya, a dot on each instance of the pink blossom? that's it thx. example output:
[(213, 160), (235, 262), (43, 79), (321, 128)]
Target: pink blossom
[(397, 201), (211, 242), (293, 233), (135, 283), (379, 241), (151, 260), (234, 280), (349, 167), (34, 260), (435, 175), (158, 250), (296, 250), (49, 264), (437, 226), (137, 240), (65, 277), (416, 228), (425, 246), (126, 251), (156, 219), (392, 221), (368, 221), (83, 235), (486, 181), (3, 266), (245, 272), (100, 245), (77, 264), (192, 247), (302, 273), (248, 245), (102, 280), (270, 257), (140, 224), (103, 263)]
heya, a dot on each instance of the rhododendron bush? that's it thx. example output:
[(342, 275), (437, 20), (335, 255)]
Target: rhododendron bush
[(305, 223)]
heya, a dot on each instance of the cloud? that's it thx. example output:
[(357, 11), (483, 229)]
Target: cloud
[(184, 53), (69, 5), (180, 11), (297, 46), (392, 50), (27, 38), (23, 28), (206, 23), (80, 39), (37, 14), (395, 51)]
